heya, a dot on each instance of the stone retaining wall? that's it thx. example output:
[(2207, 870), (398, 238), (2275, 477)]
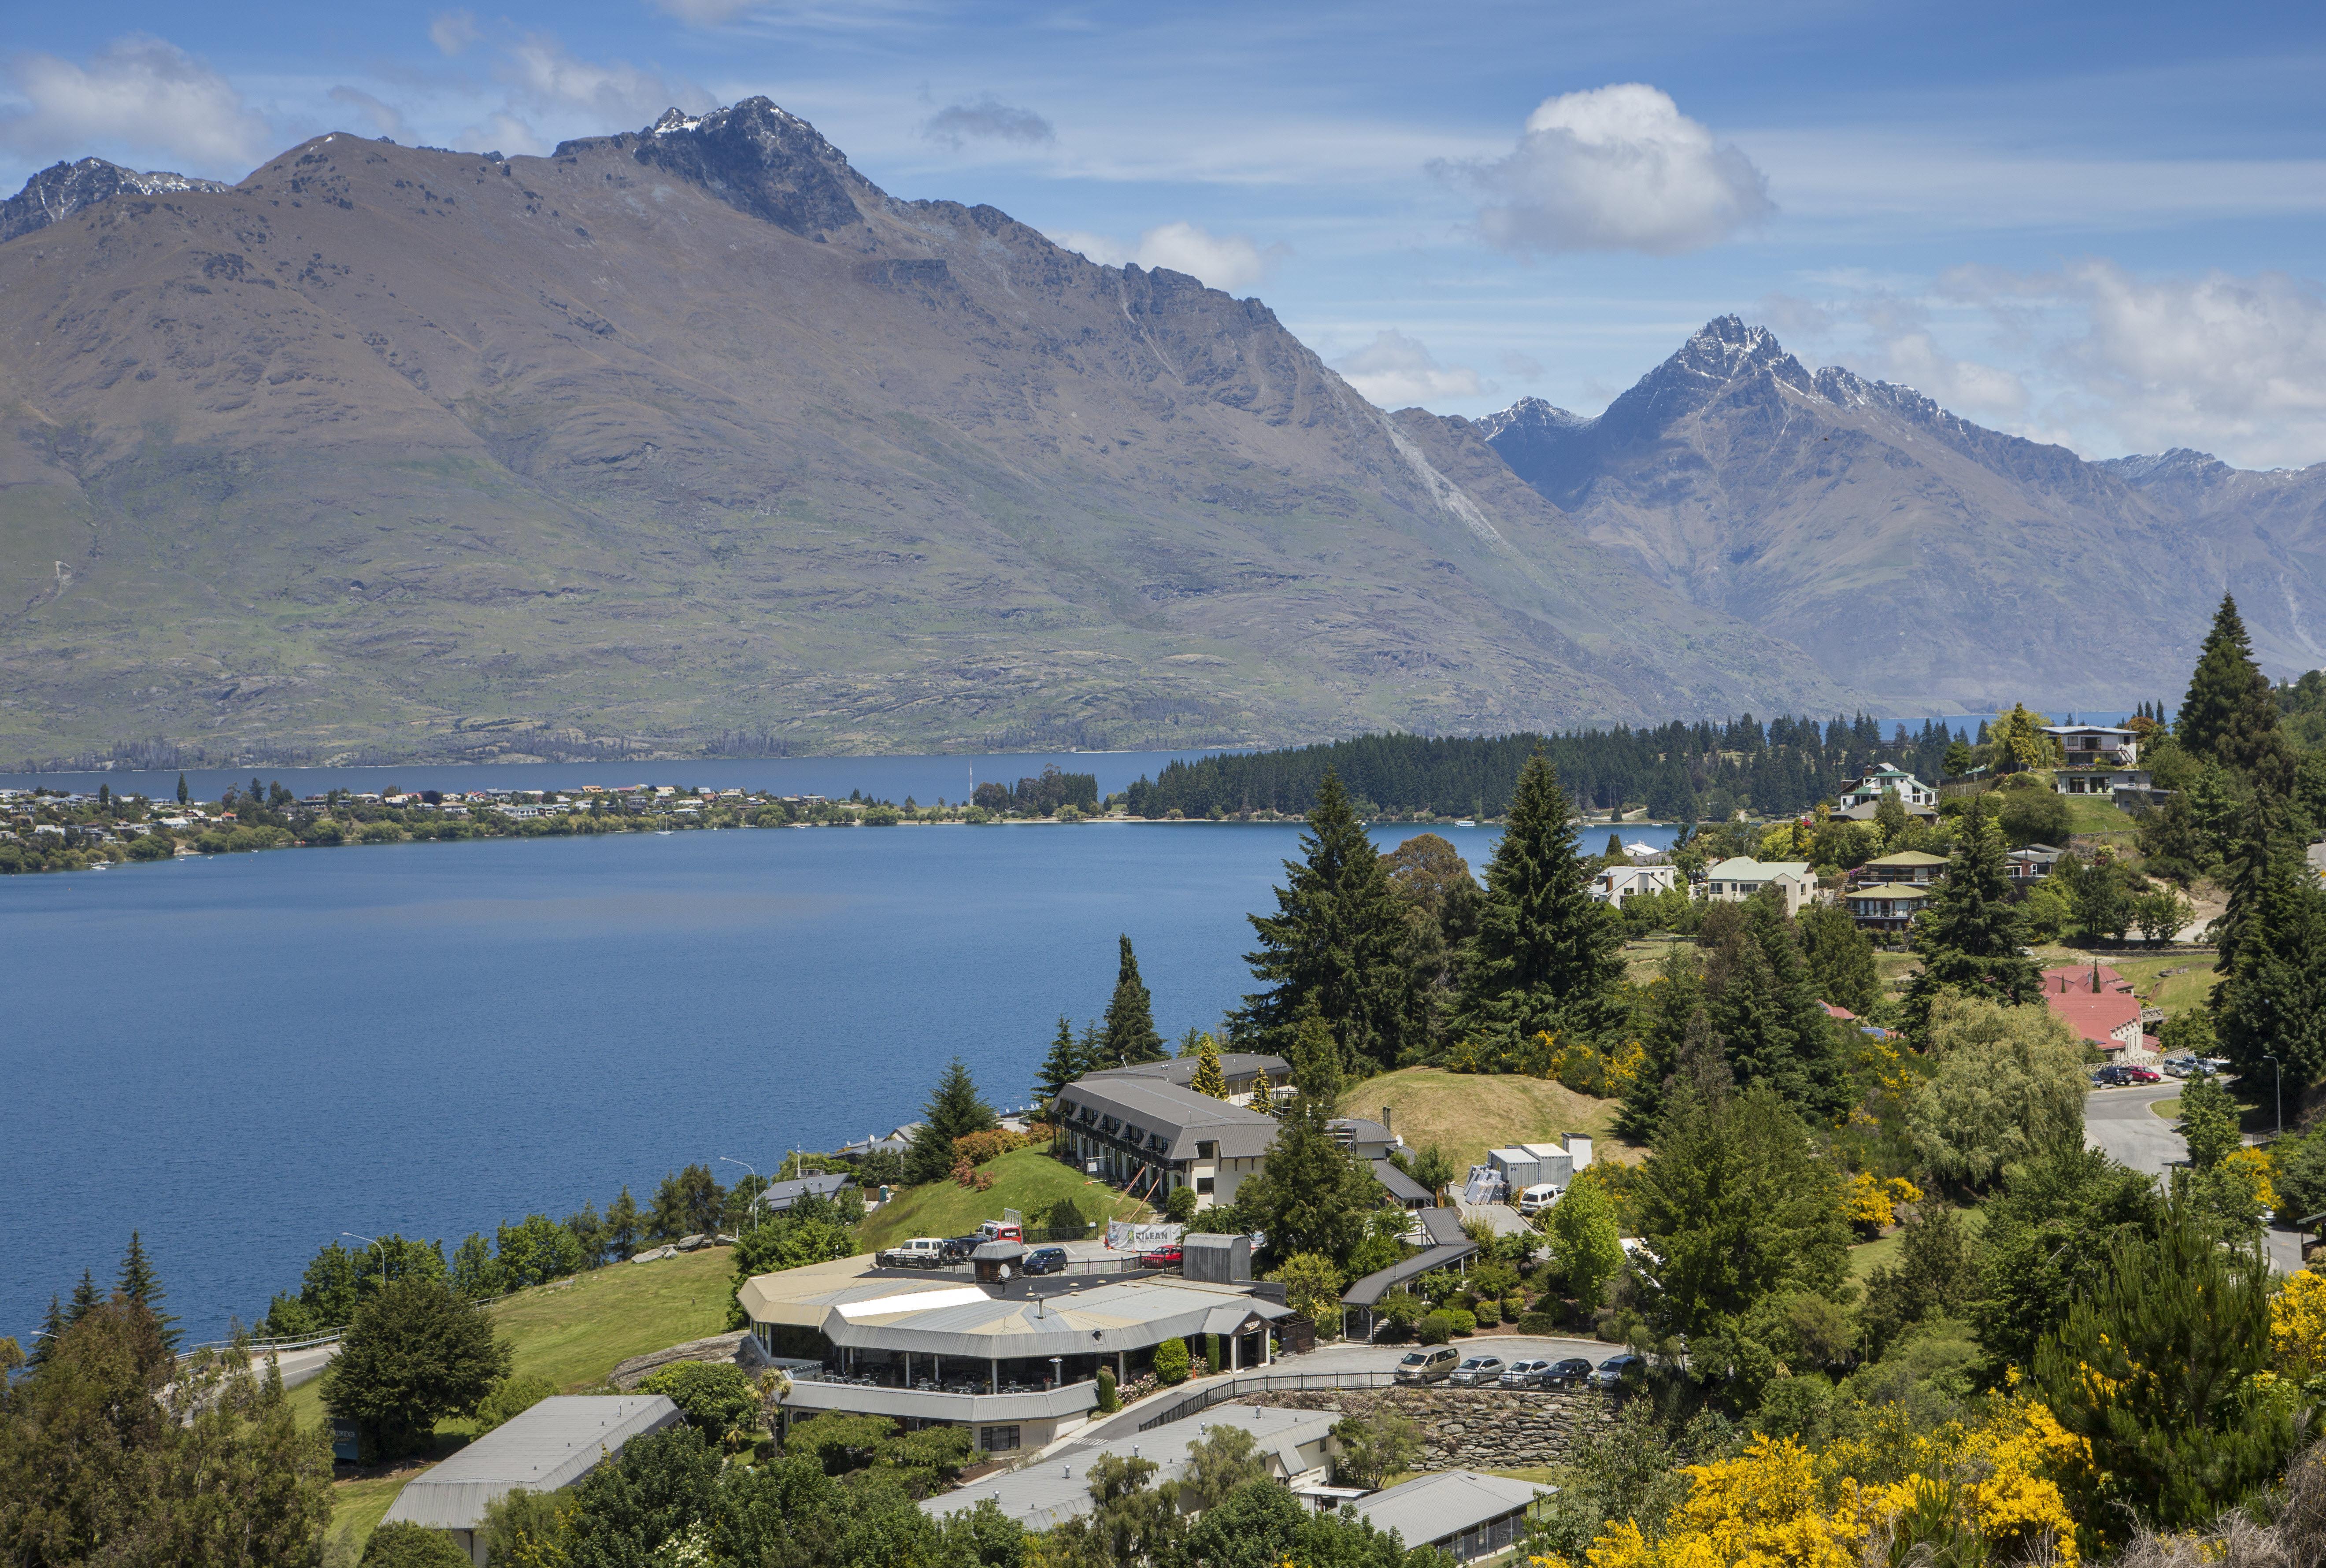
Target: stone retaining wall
[(738, 1348), (1468, 1428)]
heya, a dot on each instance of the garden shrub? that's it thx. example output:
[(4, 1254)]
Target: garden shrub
[(1537, 1323), (1488, 1314), (1172, 1362), (1464, 1322), (1435, 1329), (1108, 1402)]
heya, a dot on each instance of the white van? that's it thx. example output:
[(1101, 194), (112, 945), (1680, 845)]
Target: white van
[(1537, 1198)]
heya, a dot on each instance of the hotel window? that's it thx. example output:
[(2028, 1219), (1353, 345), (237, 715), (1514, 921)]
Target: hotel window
[(1203, 1183), (997, 1439)]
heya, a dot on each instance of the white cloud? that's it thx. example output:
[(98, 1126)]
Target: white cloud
[(1984, 393), (452, 31), (385, 117), (988, 119), (617, 95), (1616, 168), (705, 13), (139, 92), (1395, 371), (506, 134), (1223, 260)]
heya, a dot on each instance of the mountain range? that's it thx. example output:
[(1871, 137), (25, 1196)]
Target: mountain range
[(693, 439)]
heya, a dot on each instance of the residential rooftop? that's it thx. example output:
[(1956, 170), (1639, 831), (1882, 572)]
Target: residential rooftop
[(553, 1444)]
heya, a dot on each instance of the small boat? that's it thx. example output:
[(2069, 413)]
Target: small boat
[(1466, 822), (661, 833)]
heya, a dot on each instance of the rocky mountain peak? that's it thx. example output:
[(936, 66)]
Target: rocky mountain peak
[(755, 156), (1725, 347), (1531, 416), (61, 190), (2142, 469)]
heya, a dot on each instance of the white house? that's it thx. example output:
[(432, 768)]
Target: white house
[(1733, 881), (1617, 883), (1886, 780), (2100, 759)]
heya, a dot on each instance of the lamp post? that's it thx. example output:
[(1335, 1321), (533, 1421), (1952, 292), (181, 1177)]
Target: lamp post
[(727, 1159), (2271, 1058)]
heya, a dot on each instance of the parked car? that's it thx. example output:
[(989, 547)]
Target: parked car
[(1001, 1230), (1434, 1365), (2215, 1063), (1613, 1370), (1525, 1374), (920, 1252), (2180, 1066), (1572, 1373), (957, 1249), (1162, 1258), (2136, 1072), (1476, 1370), (1537, 1198), (1045, 1260)]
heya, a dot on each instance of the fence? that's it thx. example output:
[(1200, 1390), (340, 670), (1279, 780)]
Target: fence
[(1198, 1398), (264, 1346)]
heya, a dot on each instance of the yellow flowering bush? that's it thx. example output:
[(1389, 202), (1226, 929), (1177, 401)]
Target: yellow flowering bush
[(1872, 1205), (2251, 1168), (2297, 1326)]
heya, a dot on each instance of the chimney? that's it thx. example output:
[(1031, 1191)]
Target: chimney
[(1385, 1121)]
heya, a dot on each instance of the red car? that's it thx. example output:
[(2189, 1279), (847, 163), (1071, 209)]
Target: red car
[(1161, 1257), (2134, 1073)]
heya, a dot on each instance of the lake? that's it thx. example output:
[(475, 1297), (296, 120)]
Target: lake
[(245, 1055)]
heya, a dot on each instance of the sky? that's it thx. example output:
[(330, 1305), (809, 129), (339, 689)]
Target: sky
[(2099, 226)]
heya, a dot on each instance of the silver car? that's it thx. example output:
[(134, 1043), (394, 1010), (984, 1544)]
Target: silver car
[(1612, 1371), (1526, 1374), (1478, 1370)]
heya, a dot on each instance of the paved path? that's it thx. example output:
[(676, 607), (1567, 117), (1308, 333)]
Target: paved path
[(2119, 1121)]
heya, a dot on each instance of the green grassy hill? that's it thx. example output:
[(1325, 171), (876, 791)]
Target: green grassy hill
[(1466, 1114), (1027, 1180)]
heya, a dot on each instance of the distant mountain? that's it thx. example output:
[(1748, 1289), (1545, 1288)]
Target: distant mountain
[(694, 439), (1933, 560), (61, 190)]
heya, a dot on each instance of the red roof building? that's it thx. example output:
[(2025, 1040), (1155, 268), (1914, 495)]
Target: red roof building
[(2096, 1002)]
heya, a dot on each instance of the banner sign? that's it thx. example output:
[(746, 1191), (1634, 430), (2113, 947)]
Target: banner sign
[(1122, 1236)]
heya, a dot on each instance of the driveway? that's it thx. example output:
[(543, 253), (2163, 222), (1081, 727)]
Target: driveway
[(2119, 1121)]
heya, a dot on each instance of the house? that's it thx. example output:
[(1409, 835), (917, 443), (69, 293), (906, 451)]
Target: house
[(1295, 1448), (1887, 906), (895, 1142), (1458, 1511), (1366, 1139), (1917, 866), (779, 1196), (1156, 1135), (1015, 1362), (1886, 780), (1403, 1190), (2031, 865), (1524, 1166), (2099, 1004), (543, 1449), (1618, 883), (2100, 760), (1447, 1246), (1241, 1069), (1736, 880)]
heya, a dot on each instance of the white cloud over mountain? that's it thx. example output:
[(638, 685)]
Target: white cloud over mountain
[(1395, 371), (141, 93), (1223, 260), (1615, 168), (988, 119)]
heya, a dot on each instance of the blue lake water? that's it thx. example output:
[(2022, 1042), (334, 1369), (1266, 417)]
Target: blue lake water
[(245, 1055)]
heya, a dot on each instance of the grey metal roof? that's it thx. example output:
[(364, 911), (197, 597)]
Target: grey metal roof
[(1125, 1317), (1402, 1187), (554, 1444), (1368, 1290), (1363, 1130), (781, 1195), (1165, 1113), (1445, 1226), (1057, 1489), (1435, 1507), (1234, 1066)]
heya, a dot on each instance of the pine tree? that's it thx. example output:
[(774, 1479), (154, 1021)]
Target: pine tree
[(2271, 1000), (182, 789), (53, 1329), (1263, 1093), (85, 1299), (622, 1225), (1316, 1060), (1968, 938), (141, 1284), (1064, 1065), (954, 1110), (1764, 1014), (1208, 1078), (1545, 955), (1337, 943), (1675, 1002), (1841, 958), (1130, 1036), (2229, 714)]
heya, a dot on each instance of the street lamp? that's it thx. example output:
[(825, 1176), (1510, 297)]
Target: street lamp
[(2271, 1058), (727, 1159)]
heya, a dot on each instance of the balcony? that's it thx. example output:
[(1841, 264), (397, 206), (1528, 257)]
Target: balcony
[(812, 1394)]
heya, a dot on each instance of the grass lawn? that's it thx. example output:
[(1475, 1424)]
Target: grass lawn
[(1642, 960), (573, 1332), (1467, 1113), (1027, 1180), (1868, 1256), (2097, 814)]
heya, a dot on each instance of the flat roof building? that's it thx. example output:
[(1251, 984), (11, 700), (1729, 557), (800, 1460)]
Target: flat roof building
[(550, 1445), (1458, 1511)]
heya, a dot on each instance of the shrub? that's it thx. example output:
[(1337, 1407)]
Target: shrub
[(717, 1396), (412, 1546), (512, 1396), (1537, 1323), (1108, 1401), (1064, 1221), (964, 1172), (1464, 1322), (978, 1147), (1180, 1206), (1435, 1329), (1488, 1314), (1172, 1362)]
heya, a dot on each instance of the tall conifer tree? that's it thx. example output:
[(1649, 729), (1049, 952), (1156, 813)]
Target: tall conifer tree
[(1337, 943), (2229, 714), (85, 1299), (1064, 1065), (141, 1284), (1545, 955), (954, 1110), (1130, 1036), (1968, 938), (2271, 1000)]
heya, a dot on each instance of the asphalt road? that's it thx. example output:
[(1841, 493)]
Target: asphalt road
[(2119, 1121)]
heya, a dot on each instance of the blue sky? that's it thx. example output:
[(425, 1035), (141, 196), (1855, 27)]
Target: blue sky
[(2101, 225)]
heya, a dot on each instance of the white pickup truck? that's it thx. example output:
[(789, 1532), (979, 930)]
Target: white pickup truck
[(920, 1252)]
